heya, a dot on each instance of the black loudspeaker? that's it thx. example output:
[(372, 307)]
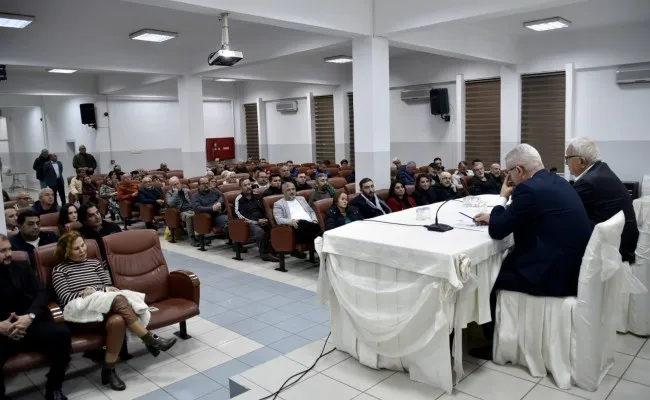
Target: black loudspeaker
[(439, 102), (88, 114)]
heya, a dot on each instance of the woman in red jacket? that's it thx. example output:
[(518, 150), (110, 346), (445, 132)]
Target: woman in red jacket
[(398, 199)]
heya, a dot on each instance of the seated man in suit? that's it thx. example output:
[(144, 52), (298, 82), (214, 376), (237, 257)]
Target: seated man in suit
[(369, 204), (602, 193), (24, 322), (550, 227), (95, 227), (46, 203), (482, 183), (250, 208), (495, 173), (446, 189), (30, 235)]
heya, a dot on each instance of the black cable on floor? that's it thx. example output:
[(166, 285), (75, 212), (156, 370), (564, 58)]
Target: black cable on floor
[(284, 386)]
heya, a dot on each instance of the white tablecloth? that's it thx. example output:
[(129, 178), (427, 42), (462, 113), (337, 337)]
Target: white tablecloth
[(396, 292)]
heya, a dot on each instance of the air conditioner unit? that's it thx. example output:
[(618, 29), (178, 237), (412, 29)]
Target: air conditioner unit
[(633, 75), (285, 107), (415, 95)]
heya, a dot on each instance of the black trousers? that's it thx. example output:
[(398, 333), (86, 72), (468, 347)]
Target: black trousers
[(307, 231), (507, 279), (60, 190), (262, 237), (45, 337)]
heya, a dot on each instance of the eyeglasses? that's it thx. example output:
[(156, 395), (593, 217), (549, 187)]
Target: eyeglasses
[(567, 158)]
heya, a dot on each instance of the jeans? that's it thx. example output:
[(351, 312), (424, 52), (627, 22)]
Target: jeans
[(188, 219), (262, 237)]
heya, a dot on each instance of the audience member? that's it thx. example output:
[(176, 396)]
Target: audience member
[(181, 198), (213, 183), (275, 186), (11, 221), (398, 199), (285, 174), (118, 172), (293, 171), (210, 201), (321, 169), (240, 168), (602, 192), (322, 190), (261, 179), (163, 168), (340, 213), (350, 177), (149, 194), (45, 203), (551, 230), (476, 161), (495, 173), (53, 177), (78, 277), (434, 173), (30, 235), (445, 190), (344, 163), (369, 204), (108, 191), (482, 183), (88, 190), (127, 189), (424, 193), (94, 227), (75, 187), (232, 178), (25, 325), (397, 163), (301, 182), (459, 174), (38, 166), (437, 164), (265, 166), (250, 208), (407, 175), (160, 182), (68, 214), (84, 160), (23, 201)]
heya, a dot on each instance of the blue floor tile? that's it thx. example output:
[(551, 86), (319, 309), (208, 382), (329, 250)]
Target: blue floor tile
[(297, 308), (320, 315), (295, 325), (299, 294), (234, 302), (316, 332), (221, 373), (278, 301), (273, 317), (268, 335), (246, 326), (227, 318), (221, 394), (209, 309), (254, 309), (280, 288), (216, 296), (260, 356), (289, 344), (156, 395), (261, 283), (193, 387), (257, 294), (223, 283)]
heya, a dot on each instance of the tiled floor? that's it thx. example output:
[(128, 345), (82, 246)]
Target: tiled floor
[(258, 327)]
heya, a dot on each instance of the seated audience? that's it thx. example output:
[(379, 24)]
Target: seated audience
[(249, 160), (369, 204), (446, 189), (210, 201), (424, 193), (67, 215), (213, 183), (94, 227), (321, 169), (75, 188), (240, 168), (265, 166), (340, 213), (407, 175), (261, 180), (397, 163), (163, 168), (23, 201), (350, 177), (344, 163), (25, 324), (460, 172), (275, 186), (434, 173), (437, 164), (250, 208), (301, 182), (398, 199), (108, 191), (322, 190), (551, 230), (285, 174), (88, 190), (149, 194), (210, 174), (294, 211), (30, 235), (495, 173), (5, 196), (160, 182), (127, 189), (45, 203), (475, 162), (11, 220), (602, 192), (482, 183), (118, 172), (181, 198), (293, 171), (231, 178), (78, 277)]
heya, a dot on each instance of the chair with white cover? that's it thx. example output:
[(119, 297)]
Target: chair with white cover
[(573, 338)]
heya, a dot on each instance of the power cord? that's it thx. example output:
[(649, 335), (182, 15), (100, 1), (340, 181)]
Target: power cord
[(302, 373)]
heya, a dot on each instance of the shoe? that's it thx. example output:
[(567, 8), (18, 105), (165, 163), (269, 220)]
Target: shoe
[(482, 353), (55, 395), (156, 344), (109, 377), (298, 254), (194, 242), (270, 257)]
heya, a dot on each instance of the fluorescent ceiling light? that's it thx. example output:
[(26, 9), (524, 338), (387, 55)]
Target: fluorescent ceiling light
[(547, 24), (225, 80), (339, 59), (61, 71), (152, 35), (15, 20)]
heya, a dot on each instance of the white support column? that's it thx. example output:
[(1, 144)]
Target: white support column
[(340, 120), (370, 80), (510, 110), (3, 222), (569, 110), (261, 130), (239, 123), (311, 125), (190, 100), (460, 119)]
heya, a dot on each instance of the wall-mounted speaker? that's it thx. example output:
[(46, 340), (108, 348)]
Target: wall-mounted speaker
[(439, 103), (88, 116)]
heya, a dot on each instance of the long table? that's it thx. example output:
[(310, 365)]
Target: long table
[(396, 290)]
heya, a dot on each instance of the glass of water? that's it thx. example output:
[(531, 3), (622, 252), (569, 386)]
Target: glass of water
[(423, 214)]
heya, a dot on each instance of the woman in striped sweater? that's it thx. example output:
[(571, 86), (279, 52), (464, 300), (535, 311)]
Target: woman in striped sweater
[(77, 276)]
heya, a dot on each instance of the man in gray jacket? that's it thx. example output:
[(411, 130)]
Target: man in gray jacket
[(181, 198), (211, 201)]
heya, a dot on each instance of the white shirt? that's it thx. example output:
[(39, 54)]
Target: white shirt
[(56, 170), (296, 211), (34, 242)]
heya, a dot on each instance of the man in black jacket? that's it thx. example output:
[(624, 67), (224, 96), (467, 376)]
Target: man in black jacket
[(369, 204), (483, 183), (149, 194), (53, 177), (94, 227), (38, 166), (602, 193), (275, 186), (250, 208), (24, 323), (30, 235)]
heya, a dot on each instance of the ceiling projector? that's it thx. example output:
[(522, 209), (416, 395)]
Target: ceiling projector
[(224, 57)]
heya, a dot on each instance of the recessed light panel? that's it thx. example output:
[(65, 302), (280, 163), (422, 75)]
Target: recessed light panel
[(152, 35), (547, 24)]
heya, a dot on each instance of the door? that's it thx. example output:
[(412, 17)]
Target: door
[(221, 148), (70, 151)]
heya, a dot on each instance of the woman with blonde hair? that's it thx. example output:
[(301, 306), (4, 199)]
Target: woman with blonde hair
[(78, 277)]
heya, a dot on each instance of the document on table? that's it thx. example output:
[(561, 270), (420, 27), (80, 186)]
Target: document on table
[(469, 225)]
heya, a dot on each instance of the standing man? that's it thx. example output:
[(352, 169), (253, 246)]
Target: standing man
[(84, 160), (38, 166), (24, 325), (53, 176)]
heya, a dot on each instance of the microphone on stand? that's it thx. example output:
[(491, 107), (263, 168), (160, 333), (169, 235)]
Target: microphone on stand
[(436, 227)]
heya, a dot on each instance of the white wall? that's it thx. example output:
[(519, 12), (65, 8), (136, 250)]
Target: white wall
[(218, 119), (26, 139), (288, 135)]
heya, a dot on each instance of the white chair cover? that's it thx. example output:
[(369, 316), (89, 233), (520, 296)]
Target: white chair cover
[(573, 338), (645, 186)]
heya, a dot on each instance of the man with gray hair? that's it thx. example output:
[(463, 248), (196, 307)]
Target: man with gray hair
[(45, 203), (407, 175), (181, 198), (550, 228), (602, 193)]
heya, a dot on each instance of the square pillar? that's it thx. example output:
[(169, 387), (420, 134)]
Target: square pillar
[(370, 83), (190, 100), (510, 110)]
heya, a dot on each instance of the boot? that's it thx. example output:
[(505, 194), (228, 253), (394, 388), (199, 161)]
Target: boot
[(156, 344), (109, 377)]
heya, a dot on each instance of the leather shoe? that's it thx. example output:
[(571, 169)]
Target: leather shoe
[(298, 254), (482, 353), (270, 257), (55, 395)]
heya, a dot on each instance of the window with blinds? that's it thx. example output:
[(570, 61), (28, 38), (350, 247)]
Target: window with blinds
[(483, 121), (542, 116), (324, 121), (252, 132), (351, 118)]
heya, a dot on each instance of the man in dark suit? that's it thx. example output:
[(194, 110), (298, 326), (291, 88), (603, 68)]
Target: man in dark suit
[(24, 324), (551, 230), (30, 235), (602, 193), (53, 176)]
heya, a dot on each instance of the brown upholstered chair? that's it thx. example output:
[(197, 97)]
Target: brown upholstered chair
[(346, 168), (308, 165), (193, 185), (176, 173), (303, 170), (126, 212), (137, 263), (194, 179), (345, 172), (382, 193), (243, 176), (305, 193), (228, 187), (338, 182), (103, 206), (53, 229), (350, 188), (237, 229), (333, 171), (184, 182), (148, 214), (72, 226), (321, 207), (451, 171), (51, 219), (466, 181), (424, 169), (410, 189), (10, 203)]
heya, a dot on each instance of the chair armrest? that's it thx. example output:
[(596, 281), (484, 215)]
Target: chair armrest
[(185, 285), (56, 313), (203, 223), (146, 212), (125, 208), (238, 230), (283, 239), (173, 218)]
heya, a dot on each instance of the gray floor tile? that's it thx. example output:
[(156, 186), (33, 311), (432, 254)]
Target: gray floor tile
[(227, 318), (238, 290), (320, 315), (289, 344), (257, 295), (234, 302), (254, 309), (295, 324), (315, 332), (221, 373), (209, 309), (299, 294), (246, 326), (297, 308), (216, 296), (278, 301), (268, 335), (193, 387), (223, 283), (260, 356), (156, 395), (221, 394), (273, 317)]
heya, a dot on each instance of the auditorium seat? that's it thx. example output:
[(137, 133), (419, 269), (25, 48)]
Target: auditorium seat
[(382, 193), (343, 173), (424, 169), (321, 207), (176, 173), (308, 165), (228, 187), (333, 171), (237, 228), (51, 219), (466, 182), (338, 182), (350, 188)]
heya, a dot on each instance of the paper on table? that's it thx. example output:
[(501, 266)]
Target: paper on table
[(469, 225)]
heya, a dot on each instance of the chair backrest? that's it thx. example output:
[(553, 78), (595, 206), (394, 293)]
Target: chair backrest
[(137, 263), (51, 219), (351, 196), (229, 198), (350, 188), (176, 173), (20, 256), (308, 165), (466, 182), (194, 185), (321, 207), (343, 173), (229, 187), (333, 171), (194, 179), (410, 189), (305, 193), (243, 176), (46, 260), (382, 194), (424, 169), (269, 201), (337, 182), (303, 170)]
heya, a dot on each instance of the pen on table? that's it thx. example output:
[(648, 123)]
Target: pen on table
[(472, 218)]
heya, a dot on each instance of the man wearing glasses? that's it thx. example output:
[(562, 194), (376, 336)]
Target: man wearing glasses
[(210, 201)]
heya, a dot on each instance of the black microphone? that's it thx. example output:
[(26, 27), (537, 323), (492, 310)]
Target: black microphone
[(436, 227)]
